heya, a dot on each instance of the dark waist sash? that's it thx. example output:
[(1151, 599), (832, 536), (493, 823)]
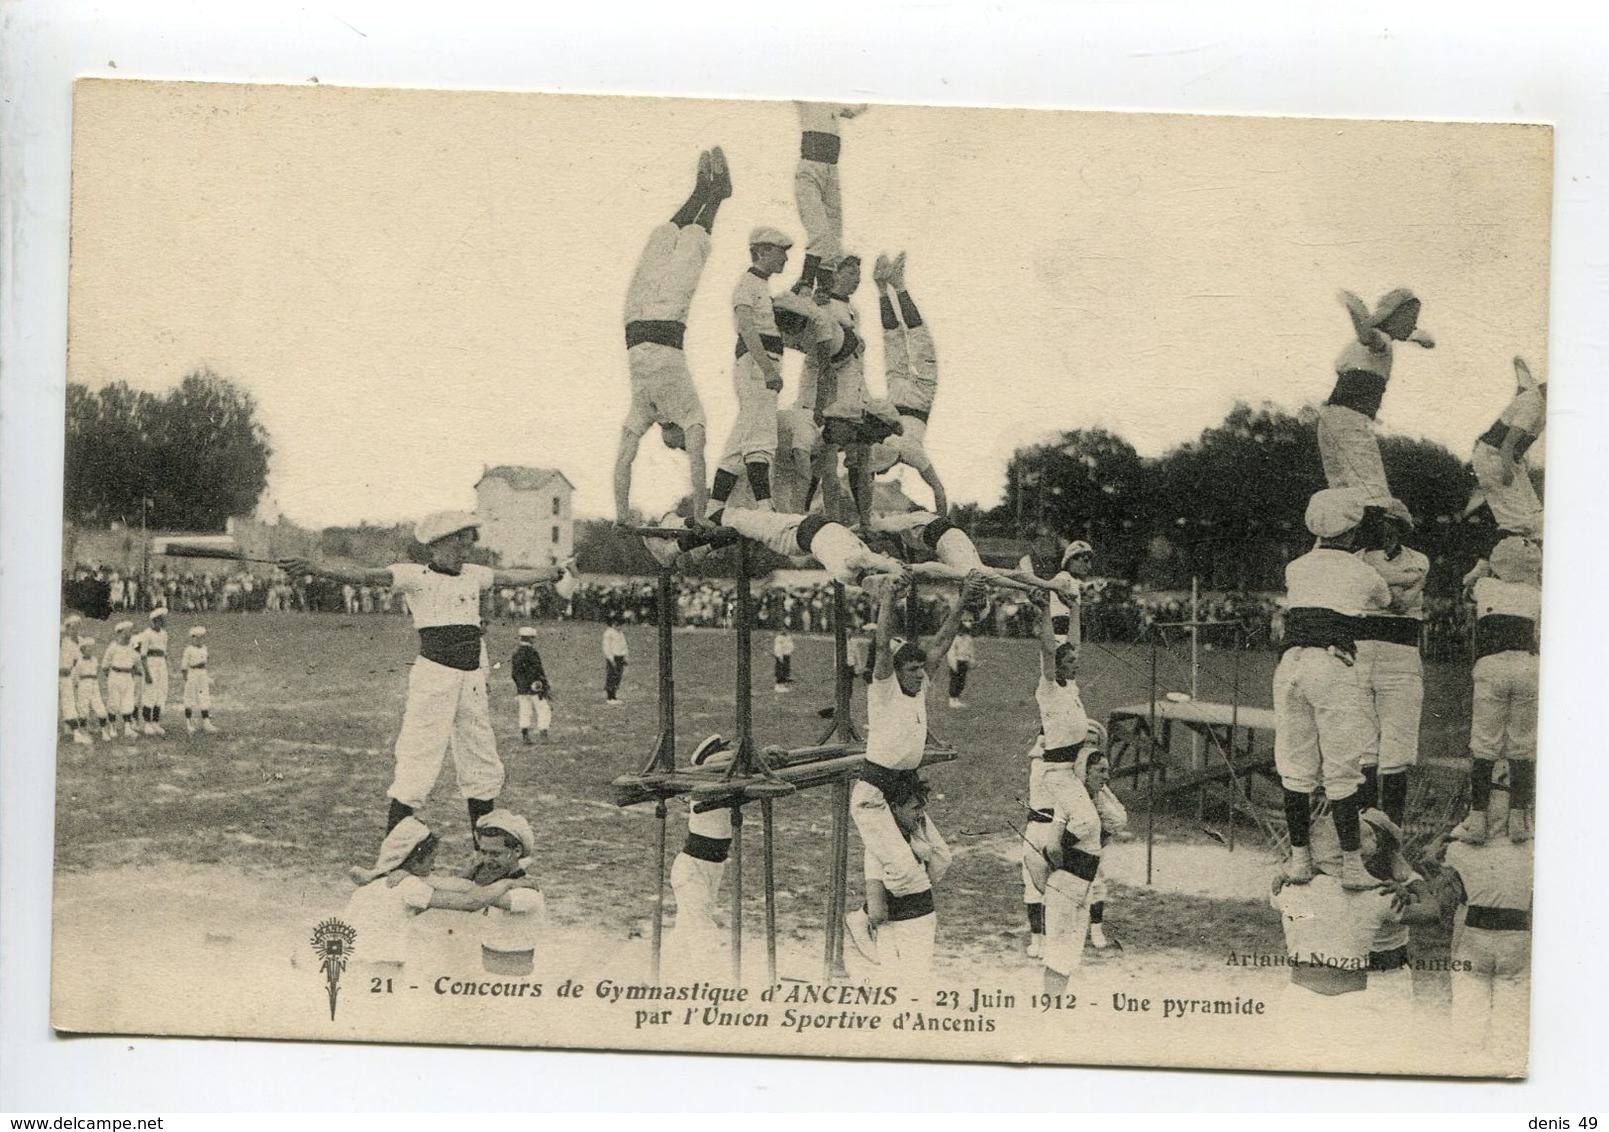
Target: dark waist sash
[(661, 332), (817, 146), (711, 849), (790, 321), (772, 343), (1315, 628), (1393, 960), (1504, 632), (1359, 389), (1392, 630), (912, 907), (809, 527), (874, 429), (851, 344), (454, 646), (197, 667), (883, 778), (1080, 862), (1497, 919), (1042, 816), (1494, 435), (155, 653), (125, 671), (908, 411), (1066, 754), (1329, 980), (934, 531), (1499, 433)]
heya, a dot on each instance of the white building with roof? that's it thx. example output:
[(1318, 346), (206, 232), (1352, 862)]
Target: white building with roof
[(526, 515)]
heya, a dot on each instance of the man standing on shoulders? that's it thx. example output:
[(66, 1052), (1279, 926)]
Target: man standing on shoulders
[(446, 706)]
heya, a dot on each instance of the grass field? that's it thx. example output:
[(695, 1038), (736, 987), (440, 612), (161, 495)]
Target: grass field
[(309, 705)]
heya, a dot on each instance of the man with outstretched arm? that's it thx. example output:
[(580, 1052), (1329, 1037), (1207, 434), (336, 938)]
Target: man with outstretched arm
[(446, 707)]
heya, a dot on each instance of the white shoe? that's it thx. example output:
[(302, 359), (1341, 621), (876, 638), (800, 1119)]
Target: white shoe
[(82, 739), (148, 729), (130, 731), (1472, 829), (1036, 946), (155, 729), (956, 703), (209, 727), (107, 733), (190, 726), (1355, 875), (1299, 869)]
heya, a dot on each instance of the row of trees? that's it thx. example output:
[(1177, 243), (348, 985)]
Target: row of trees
[(1226, 507), (185, 460)]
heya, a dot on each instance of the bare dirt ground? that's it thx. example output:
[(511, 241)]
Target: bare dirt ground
[(192, 869)]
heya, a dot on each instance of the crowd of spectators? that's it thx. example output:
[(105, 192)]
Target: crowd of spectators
[(1113, 612)]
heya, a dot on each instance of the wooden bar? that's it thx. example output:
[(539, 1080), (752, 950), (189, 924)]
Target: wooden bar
[(736, 873), (767, 826), (659, 893)]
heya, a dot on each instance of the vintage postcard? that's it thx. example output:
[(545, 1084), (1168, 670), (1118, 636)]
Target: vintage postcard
[(801, 579)]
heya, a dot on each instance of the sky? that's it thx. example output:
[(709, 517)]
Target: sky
[(414, 285)]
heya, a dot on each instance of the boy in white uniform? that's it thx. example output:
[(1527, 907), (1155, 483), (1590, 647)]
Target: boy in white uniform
[(1501, 469), (782, 653), (961, 657), (446, 707), (66, 691), (662, 389), (1491, 983), (696, 873), (401, 885), (1503, 721), (514, 922), (1072, 779), (1077, 562), (924, 533), (912, 368), (1323, 723), (815, 184), (531, 689), (1346, 440), (197, 682), (1323, 917), (120, 662), (1393, 674), (896, 738), (87, 685), (152, 645), (756, 374), (892, 939), (616, 654)]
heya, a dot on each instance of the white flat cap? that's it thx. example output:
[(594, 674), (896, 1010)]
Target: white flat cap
[(765, 234), (434, 528), (509, 822), (1334, 511)]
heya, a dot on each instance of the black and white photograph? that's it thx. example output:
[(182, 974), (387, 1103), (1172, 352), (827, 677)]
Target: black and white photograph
[(811, 578)]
